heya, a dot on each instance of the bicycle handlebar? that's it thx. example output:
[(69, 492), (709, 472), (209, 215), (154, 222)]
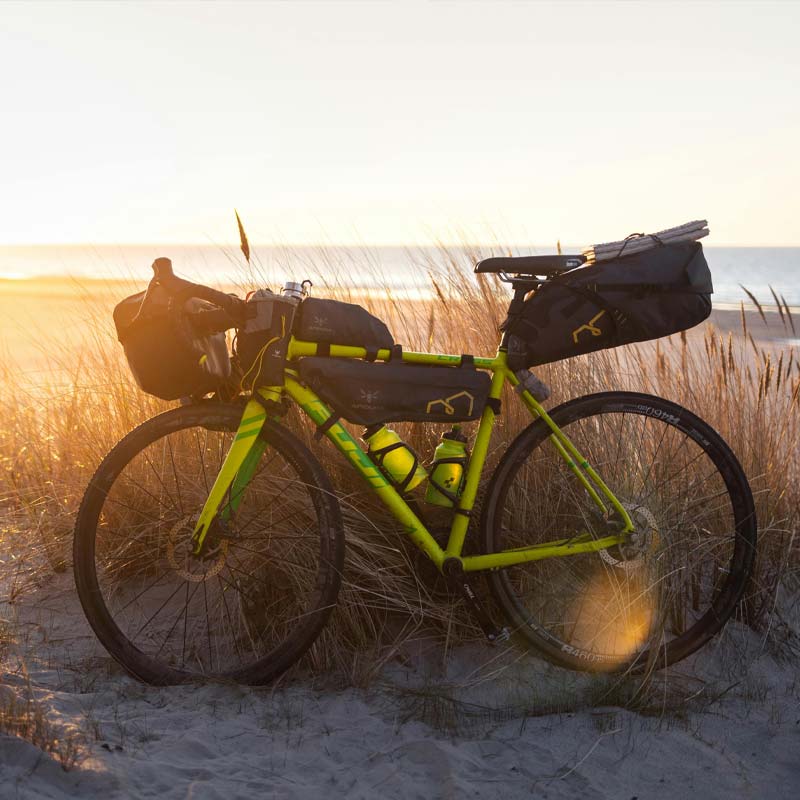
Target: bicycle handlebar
[(214, 320), (233, 306)]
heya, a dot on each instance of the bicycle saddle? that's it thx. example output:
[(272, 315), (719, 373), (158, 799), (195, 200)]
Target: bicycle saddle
[(530, 265)]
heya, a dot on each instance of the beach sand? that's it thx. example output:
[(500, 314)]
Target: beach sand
[(508, 739), (534, 731)]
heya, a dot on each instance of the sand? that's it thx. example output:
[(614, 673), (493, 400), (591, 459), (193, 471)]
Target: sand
[(294, 741)]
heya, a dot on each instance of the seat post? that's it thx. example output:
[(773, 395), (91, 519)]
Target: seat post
[(521, 288)]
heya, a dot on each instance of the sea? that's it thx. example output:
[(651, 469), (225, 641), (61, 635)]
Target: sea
[(766, 272)]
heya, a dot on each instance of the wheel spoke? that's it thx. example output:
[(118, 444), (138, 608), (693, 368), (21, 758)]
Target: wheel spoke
[(240, 609), (657, 588)]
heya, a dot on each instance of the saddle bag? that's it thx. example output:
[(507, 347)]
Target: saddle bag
[(167, 357), (632, 298), (335, 322), (367, 393)]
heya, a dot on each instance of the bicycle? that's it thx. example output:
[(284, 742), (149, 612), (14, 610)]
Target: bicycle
[(617, 532)]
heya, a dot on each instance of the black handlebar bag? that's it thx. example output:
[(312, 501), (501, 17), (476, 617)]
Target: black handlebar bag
[(628, 299), (167, 357)]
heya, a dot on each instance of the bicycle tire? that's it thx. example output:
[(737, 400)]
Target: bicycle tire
[(665, 609), (249, 582)]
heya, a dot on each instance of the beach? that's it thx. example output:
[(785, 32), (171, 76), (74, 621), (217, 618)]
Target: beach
[(435, 721), (459, 571), (727, 724)]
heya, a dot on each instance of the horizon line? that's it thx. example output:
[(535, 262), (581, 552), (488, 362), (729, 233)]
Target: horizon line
[(354, 245)]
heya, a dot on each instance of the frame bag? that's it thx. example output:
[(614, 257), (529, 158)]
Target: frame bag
[(631, 298), (335, 322), (167, 357), (368, 393)]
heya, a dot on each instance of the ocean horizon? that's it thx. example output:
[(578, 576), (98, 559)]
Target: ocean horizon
[(405, 268)]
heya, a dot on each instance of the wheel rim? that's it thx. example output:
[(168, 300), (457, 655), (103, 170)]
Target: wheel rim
[(609, 609), (261, 577)]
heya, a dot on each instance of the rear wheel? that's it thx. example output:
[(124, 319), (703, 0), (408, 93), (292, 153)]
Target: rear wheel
[(672, 585), (261, 594)]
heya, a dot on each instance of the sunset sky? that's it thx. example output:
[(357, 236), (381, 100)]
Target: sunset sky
[(394, 122)]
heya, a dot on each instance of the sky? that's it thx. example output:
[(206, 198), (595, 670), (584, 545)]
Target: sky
[(395, 123)]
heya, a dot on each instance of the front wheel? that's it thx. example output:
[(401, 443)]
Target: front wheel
[(666, 590), (259, 596)]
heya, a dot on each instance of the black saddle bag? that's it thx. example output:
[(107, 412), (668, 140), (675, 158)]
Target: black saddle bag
[(367, 393), (335, 322), (629, 299), (167, 357)]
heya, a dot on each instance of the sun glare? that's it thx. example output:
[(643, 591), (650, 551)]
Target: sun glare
[(614, 615)]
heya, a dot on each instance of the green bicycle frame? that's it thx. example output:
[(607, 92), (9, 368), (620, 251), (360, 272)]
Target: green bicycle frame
[(247, 449)]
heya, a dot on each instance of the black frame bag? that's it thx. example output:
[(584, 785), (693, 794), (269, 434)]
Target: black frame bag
[(167, 357), (368, 393), (335, 322), (628, 299)]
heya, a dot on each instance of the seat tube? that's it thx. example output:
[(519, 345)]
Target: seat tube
[(514, 307), (463, 510)]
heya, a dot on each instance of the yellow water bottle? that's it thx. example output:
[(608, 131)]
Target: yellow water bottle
[(449, 461), (395, 458)]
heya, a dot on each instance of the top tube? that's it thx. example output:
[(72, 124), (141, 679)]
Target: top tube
[(299, 348)]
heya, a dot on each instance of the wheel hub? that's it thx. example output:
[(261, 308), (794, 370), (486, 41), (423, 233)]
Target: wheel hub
[(629, 554), (188, 566)]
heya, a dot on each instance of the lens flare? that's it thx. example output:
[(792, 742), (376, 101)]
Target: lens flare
[(614, 615)]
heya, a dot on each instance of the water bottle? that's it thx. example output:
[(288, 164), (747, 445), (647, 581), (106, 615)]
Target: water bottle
[(395, 458), (449, 461), (294, 291)]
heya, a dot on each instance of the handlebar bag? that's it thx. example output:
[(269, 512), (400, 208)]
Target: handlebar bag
[(631, 298), (167, 357), (367, 392), (334, 322)]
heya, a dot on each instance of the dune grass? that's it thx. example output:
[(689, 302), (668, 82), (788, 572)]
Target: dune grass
[(26, 718), (55, 432)]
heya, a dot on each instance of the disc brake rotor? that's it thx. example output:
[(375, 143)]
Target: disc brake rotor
[(181, 559), (629, 554)]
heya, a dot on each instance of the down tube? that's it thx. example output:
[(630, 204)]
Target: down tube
[(350, 449)]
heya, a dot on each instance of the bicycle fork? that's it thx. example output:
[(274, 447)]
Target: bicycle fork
[(236, 472)]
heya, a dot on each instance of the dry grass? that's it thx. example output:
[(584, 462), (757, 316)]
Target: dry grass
[(26, 719), (54, 434)]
